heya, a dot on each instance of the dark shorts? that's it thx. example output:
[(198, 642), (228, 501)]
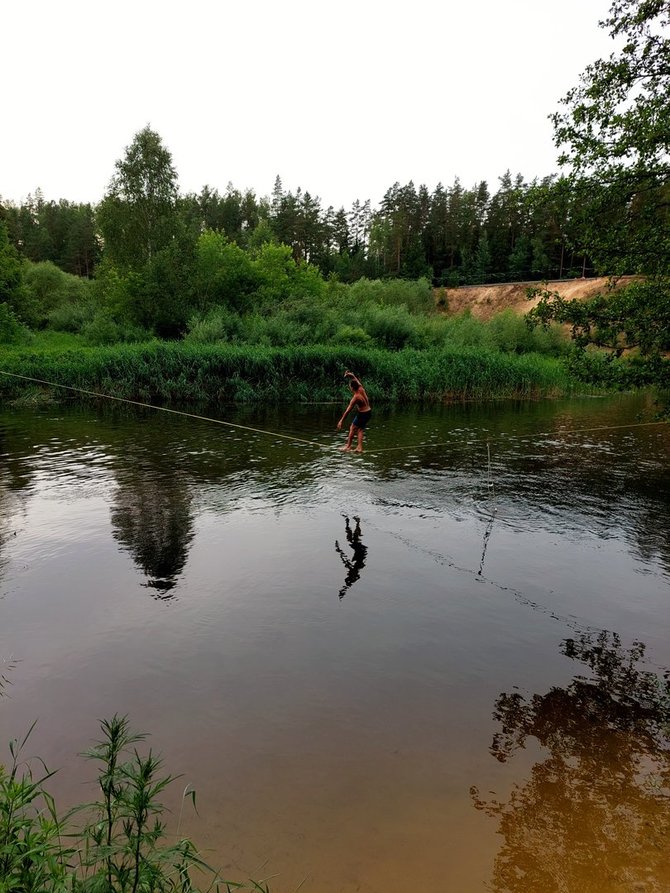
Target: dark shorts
[(362, 418)]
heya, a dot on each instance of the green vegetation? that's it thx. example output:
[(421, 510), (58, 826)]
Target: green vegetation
[(634, 321), (615, 134), (116, 844), (186, 372), (264, 327), (282, 272)]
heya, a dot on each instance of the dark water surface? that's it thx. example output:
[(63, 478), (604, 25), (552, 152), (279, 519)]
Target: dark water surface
[(462, 690)]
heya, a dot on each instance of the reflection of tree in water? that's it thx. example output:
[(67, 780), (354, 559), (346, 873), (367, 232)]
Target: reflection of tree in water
[(15, 479), (152, 520), (595, 814), (356, 563), (10, 507)]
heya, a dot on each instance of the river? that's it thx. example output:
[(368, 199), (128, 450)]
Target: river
[(435, 666)]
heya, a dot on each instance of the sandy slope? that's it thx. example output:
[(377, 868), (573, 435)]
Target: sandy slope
[(485, 300)]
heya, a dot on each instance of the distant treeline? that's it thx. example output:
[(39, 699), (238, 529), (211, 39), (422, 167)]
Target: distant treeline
[(149, 261), (452, 235)]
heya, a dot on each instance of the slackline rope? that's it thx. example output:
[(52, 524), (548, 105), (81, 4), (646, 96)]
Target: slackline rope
[(190, 415), (558, 433), (572, 621), (322, 446)]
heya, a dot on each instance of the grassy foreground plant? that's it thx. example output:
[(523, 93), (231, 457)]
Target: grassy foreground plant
[(33, 856), (121, 845)]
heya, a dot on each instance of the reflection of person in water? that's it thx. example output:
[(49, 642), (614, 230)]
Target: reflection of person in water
[(354, 566)]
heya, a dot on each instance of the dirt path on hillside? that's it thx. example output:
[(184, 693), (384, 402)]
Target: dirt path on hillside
[(484, 301)]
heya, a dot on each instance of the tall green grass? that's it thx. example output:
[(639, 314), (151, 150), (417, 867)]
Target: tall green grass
[(117, 844), (172, 372)]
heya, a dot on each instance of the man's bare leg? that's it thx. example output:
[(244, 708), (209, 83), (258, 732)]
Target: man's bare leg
[(359, 448), (347, 446)]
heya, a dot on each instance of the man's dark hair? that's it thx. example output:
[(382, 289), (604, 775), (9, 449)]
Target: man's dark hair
[(354, 385)]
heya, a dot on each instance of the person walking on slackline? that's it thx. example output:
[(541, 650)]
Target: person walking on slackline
[(359, 401)]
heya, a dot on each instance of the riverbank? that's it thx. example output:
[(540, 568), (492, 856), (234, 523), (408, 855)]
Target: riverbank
[(485, 301), (174, 373)]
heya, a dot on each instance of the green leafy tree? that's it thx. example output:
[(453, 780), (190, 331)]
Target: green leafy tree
[(150, 237), (314, 244), (224, 273), (251, 211), (506, 219), (81, 249), (435, 233), (138, 217), (519, 259), (397, 230), (10, 268), (351, 267), (540, 262), (281, 277), (553, 212), (633, 318), (260, 235), (453, 244), (616, 120), (47, 287), (467, 214), (615, 134)]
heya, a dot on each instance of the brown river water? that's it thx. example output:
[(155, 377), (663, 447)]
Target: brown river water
[(439, 667)]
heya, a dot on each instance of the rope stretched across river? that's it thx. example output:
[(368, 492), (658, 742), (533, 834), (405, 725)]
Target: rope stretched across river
[(316, 443), (559, 432), (190, 415)]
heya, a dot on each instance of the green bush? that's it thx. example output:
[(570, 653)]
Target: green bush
[(114, 290), (352, 335), (509, 332), (71, 317), (47, 287), (220, 324), (224, 273), (431, 332), (390, 327), (274, 330), (12, 331), (102, 329), (464, 330), (415, 295), (281, 278)]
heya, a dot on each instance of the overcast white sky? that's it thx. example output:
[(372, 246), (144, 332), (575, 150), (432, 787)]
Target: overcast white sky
[(342, 98)]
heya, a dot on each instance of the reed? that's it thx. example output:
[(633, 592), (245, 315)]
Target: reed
[(117, 844), (187, 372)]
